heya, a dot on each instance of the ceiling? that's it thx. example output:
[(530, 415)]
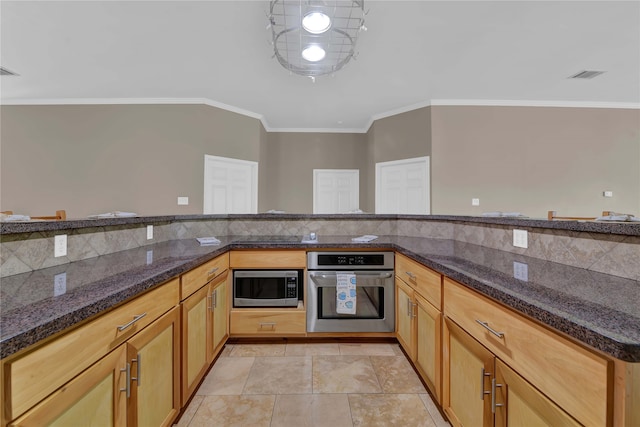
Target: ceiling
[(415, 53)]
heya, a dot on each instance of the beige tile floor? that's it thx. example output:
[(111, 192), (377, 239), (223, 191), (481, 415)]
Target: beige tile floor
[(328, 384)]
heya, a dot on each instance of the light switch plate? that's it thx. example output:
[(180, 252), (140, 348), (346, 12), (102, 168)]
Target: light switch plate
[(149, 232), (520, 239), (607, 193), (149, 257), (183, 200), (475, 202), (60, 246)]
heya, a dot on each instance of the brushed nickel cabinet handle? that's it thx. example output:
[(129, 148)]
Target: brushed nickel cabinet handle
[(127, 388), (138, 362), (135, 319), (414, 309), (411, 275), (490, 329), (483, 392), (494, 405), (212, 271), (270, 324)]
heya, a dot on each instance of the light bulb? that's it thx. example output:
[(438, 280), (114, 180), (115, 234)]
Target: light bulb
[(316, 22), (313, 53)]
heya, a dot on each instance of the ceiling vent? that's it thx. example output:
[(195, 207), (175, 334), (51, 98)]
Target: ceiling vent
[(5, 72), (586, 74)]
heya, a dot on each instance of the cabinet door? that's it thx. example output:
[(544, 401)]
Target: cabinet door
[(467, 373), (96, 397), (405, 326), (526, 406), (155, 362), (195, 323), (220, 316), (429, 344)]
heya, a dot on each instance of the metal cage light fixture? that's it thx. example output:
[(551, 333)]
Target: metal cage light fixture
[(315, 37)]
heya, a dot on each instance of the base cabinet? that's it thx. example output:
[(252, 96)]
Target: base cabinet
[(204, 331), (154, 357), (97, 397), (419, 332)]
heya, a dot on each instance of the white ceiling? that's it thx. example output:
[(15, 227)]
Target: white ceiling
[(415, 53)]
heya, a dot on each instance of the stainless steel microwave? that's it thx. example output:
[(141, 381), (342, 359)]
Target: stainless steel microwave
[(267, 288)]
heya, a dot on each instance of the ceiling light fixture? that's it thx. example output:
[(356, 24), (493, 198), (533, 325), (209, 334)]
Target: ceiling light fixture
[(315, 37), (316, 22)]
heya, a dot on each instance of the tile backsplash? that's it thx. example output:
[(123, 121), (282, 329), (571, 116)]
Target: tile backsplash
[(617, 255)]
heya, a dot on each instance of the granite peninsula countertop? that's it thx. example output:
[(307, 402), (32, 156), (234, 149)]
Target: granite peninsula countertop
[(602, 227), (600, 310)]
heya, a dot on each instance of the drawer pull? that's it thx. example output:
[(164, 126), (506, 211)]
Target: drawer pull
[(483, 392), (272, 325), (212, 271), (128, 377), (494, 405), (414, 309), (135, 319), (488, 328), (411, 275)]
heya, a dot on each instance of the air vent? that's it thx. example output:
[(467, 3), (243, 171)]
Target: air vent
[(5, 72), (586, 74)]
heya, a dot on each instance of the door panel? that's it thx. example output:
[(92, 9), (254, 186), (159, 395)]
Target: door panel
[(335, 190), (230, 186), (402, 186)]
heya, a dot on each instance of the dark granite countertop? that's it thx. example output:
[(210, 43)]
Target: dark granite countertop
[(600, 310), (603, 227)]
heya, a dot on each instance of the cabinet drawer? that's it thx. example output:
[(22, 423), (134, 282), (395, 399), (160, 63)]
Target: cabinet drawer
[(268, 258), (267, 322), (573, 377), (426, 281), (30, 378), (199, 276)]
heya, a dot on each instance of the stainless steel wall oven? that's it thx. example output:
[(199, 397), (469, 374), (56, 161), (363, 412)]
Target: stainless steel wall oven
[(374, 291)]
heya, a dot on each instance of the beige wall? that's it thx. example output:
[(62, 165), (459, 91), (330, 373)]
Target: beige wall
[(398, 137), (291, 158), (101, 158), (140, 158), (533, 159)]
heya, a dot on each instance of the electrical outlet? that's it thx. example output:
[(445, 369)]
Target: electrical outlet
[(521, 271), (149, 232), (475, 202), (60, 246), (520, 239), (183, 201), (59, 284), (607, 193)]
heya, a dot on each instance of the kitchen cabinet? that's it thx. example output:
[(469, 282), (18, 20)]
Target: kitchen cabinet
[(204, 330), (418, 320), (267, 321), (95, 397), (56, 362), (154, 356), (561, 373), (479, 386)]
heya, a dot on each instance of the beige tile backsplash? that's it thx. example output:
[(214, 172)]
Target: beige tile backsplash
[(610, 254)]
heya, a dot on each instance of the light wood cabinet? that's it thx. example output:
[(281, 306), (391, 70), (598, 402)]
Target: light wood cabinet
[(467, 370), (154, 355), (204, 323), (574, 378), (479, 386), (268, 258), (419, 329), (96, 397), (273, 322)]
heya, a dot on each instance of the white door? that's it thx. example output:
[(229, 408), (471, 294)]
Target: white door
[(230, 185), (402, 187), (336, 190)]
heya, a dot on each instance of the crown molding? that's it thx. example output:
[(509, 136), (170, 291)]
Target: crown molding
[(532, 103)]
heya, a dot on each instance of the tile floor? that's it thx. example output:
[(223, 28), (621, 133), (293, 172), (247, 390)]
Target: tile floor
[(323, 384)]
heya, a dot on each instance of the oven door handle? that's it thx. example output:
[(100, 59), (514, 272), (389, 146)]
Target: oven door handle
[(367, 275)]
